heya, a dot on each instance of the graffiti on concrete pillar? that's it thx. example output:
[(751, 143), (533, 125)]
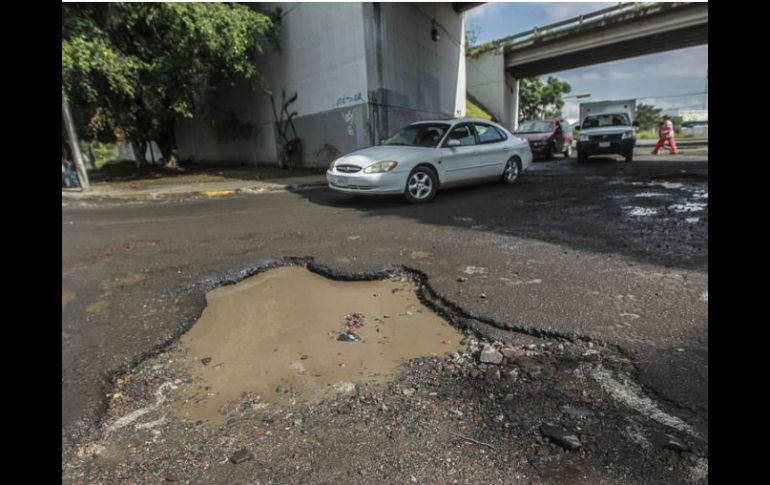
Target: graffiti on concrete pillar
[(350, 118), (343, 100), (290, 153)]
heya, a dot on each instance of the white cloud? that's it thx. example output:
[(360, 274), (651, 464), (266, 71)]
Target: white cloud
[(686, 63), (582, 77), (483, 11), (571, 110), (563, 11), (620, 75)]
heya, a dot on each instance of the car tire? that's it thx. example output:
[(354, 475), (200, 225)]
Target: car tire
[(568, 151), (629, 156), (512, 171), (421, 185), (582, 157)]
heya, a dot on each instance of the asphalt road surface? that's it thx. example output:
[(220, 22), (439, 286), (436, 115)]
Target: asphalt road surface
[(604, 251)]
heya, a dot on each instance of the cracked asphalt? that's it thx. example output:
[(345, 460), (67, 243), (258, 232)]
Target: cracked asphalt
[(604, 252)]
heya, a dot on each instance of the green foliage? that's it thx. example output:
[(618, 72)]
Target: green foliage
[(539, 100), (231, 128), (648, 116), (474, 109), (141, 66), (472, 34)]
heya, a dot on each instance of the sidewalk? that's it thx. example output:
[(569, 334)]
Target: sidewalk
[(103, 190)]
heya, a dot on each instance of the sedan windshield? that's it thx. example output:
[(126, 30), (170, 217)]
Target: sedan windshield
[(422, 135), (536, 127), (598, 121)]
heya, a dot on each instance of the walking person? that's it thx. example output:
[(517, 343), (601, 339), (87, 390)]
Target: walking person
[(666, 134)]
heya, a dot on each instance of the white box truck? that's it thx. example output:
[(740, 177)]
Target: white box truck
[(606, 128)]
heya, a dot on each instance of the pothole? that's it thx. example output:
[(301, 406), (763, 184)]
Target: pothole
[(274, 338)]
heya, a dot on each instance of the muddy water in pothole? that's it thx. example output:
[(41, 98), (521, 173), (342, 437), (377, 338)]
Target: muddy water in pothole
[(272, 339)]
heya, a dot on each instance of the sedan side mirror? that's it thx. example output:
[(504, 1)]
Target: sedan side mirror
[(453, 143)]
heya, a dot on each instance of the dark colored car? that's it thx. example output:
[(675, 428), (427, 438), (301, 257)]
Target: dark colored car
[(547, 137)]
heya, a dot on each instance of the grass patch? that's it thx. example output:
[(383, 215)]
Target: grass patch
[(475, 110)]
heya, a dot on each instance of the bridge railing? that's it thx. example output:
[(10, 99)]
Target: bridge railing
[(585, 21)]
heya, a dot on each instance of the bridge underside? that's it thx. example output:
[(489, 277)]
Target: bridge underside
[(688, 37)]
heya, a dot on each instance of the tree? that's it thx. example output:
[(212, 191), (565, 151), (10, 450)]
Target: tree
[(542, 100), (472, 34), (648, 116), (132, 69)]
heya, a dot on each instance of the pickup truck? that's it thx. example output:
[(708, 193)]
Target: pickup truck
[(607, 128)]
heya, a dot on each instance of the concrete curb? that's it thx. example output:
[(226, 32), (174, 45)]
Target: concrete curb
[(194, 193)]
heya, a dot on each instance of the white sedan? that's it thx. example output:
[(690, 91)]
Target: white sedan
[(425, 156)]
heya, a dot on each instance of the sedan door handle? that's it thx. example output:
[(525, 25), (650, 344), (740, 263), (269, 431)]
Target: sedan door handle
[(506, 149)]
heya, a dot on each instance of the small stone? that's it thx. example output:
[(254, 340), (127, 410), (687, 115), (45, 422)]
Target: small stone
[(241, 455), (508, 397), (577, 412), (461, 279), (206, 360), (483, 295), (511, 354), (344, 387), (172, 478), (303, 357), (408, 391), (561, 436), (491, 356), (349, 337)]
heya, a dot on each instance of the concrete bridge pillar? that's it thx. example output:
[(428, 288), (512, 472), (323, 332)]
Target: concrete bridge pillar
[(492, 86), (515, 100)]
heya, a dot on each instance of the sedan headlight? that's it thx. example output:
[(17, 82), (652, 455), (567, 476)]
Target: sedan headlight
[(380, 167), (583, 138), (629, 134)]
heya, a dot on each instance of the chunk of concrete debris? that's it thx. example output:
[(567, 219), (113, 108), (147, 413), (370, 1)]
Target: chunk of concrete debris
[(240, 456), (577, 412), (349, 337), (511, 354), (668, 442), (561, 436), (489, 355), (344, 387)]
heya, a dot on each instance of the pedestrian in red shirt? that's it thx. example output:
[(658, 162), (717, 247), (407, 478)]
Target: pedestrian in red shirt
[(666, 134)]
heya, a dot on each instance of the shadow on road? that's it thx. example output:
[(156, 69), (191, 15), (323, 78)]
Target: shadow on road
[(588, 206)]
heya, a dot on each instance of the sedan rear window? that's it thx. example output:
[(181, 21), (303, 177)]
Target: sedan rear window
[(488, 134)]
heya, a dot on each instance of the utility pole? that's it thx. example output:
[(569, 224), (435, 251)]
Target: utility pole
[(73, 139)]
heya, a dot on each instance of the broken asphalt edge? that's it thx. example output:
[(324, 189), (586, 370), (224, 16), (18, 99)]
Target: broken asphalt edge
[(79, 195), (448, 310)]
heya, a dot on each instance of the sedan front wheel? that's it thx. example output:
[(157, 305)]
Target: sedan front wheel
[(421, 185)]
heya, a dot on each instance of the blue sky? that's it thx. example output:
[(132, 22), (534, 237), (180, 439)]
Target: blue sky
[(654, 77)]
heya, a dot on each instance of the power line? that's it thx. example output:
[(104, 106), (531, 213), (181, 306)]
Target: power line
[(674, 95)]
